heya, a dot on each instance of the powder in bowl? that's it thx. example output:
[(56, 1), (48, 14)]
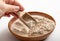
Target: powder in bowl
[(43, 26)]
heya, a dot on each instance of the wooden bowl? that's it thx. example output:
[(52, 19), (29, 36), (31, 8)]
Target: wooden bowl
[(42, 37)]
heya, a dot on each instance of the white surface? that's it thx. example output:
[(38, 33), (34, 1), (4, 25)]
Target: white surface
[(52, 7)]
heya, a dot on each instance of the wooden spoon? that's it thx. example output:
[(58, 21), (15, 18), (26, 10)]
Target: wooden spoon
[(24, 17)]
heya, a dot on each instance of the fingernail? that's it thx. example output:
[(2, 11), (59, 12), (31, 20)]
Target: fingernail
[(16, 8)]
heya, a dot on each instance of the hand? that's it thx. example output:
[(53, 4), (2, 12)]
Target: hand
[(8, 6)]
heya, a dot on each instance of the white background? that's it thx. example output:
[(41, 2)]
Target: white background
[(52, 7)]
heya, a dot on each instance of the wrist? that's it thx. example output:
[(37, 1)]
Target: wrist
[(2, 9)]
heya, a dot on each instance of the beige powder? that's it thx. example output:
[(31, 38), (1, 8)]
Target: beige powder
[(43, 26)]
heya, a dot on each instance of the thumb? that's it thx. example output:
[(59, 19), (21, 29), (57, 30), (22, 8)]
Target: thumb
[(11, 8)]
